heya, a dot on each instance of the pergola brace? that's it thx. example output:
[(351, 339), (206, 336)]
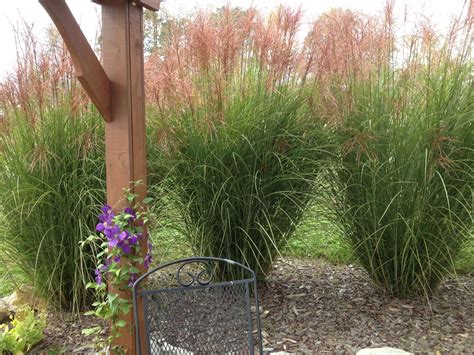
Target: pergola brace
[(117, 89), (153, 5), (87, 67)]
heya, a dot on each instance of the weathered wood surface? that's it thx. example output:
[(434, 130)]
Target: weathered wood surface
[(87, 67), (122, 36), (117, 89), (153, 5)]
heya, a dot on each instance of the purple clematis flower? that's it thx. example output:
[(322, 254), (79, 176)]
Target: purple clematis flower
[(98, 277), (126, 241), (126, 248), (113, 242), (133, 240), (107, 214), (122, 241), (147, 260), (106, 209), (132, 279), (123, 236), (112, 232), (131, 212)]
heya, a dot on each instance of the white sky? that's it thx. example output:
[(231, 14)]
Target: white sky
[(87, 14)]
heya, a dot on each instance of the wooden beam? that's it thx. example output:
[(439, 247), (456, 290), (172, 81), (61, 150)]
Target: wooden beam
[(153, 5), (122, 38), (87, 67)]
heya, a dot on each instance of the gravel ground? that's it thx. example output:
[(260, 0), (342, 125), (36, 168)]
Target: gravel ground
[(311, 306)]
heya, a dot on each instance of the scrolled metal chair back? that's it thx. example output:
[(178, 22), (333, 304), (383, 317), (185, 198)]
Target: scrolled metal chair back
[(189, 307)]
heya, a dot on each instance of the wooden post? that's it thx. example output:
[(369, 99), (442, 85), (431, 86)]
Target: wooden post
[(122, 35), (117, 90)]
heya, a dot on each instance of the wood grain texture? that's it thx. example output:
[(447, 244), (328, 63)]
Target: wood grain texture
[(122, 35), (153, 5), (87, 67), (117, 89)]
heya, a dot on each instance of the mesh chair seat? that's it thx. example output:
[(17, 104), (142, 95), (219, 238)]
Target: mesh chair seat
[(190, 307)]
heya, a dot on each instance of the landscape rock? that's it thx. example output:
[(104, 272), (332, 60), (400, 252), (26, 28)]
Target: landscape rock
[(382, 351), (22, 297), (4, 311)]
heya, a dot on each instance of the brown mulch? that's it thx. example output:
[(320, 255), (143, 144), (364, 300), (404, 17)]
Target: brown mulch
[(312, 306), (63, 335)]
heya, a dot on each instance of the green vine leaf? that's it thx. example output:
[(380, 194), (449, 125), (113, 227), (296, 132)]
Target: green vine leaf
[(120, 247)]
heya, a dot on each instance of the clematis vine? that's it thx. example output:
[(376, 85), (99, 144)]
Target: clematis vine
[(119, 262), (123, 233)]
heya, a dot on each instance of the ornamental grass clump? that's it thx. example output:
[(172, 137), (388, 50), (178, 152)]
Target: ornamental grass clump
[(243, 180), (52, 172), (241, 154), (52, 182), (403, 188)]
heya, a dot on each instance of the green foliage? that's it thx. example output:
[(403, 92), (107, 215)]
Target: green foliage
[(465, 259), (404, 186), (318, 237), (10, 275), (52, 181), (170, 243), (120, 243), (242, 178), (25, 331)]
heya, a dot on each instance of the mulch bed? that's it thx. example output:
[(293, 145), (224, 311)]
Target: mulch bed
[(312, 306), (63, 335)]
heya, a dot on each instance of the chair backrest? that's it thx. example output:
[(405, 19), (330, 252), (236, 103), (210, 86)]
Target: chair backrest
[(190, 307)]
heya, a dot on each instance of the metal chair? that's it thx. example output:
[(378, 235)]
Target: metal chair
[(190, 308)]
